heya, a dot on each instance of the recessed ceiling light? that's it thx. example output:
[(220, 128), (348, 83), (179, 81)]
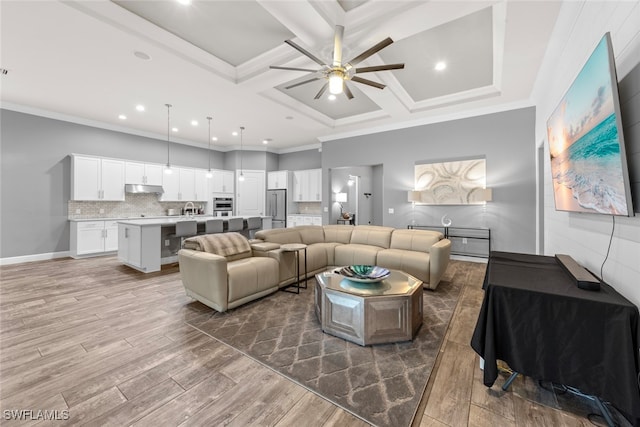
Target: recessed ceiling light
[(440, 66), (174, 129), (122, 117), (140, 107), (214, 138), (141, 55), (194, 123), (266, 140), (234, 133), (184, 2), (331, 97)]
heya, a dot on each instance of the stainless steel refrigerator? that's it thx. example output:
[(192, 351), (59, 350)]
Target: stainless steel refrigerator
[(277, 207)]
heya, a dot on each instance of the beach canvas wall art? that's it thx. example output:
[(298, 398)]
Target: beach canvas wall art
[(451, 183), (588, 164)]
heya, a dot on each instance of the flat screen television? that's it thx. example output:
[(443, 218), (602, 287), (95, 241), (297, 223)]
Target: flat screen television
[(586, 145)]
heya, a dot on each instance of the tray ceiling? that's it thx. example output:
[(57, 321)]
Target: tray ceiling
[(78, 60)]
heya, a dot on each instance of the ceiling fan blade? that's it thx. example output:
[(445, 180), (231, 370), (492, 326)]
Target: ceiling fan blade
[(275, 67), (322, 90), (305, 52), (367, 53), (337, 46), (303, 82), (367, 82), (379, 68), (347, 91)]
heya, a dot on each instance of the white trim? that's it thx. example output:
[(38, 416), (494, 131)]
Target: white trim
[(478, 260), (36, 257)]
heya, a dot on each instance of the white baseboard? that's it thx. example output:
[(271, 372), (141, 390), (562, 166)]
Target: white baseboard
[(470, 258), (36, 257)]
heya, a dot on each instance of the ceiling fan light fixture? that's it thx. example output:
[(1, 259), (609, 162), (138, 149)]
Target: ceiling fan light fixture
[(336, 81)]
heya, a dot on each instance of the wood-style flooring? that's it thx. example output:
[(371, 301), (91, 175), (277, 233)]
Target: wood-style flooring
[(101, 344)]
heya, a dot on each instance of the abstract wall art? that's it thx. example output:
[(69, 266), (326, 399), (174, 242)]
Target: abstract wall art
[(451, 183)]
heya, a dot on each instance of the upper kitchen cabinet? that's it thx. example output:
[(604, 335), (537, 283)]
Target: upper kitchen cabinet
[(95, 178), (307, 185), (222, 182), (201, 186), (143, 173), (278, 180), (179, 185)]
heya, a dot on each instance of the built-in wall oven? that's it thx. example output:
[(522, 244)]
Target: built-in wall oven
[(222, 206)]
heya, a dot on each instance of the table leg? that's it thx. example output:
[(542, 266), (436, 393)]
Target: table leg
[(507, 384), (297, 284)]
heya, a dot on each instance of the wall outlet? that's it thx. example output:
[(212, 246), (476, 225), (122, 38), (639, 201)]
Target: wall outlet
[(326, 209), (167, 242), (101, 211), (464, 240), (78, 211), (391, 211)]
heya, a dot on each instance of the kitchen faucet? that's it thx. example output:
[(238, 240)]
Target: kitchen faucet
[(193, 208)]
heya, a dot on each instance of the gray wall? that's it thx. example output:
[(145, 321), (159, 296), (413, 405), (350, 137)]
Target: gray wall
[(300, 160), (504, 139), (35, 175)]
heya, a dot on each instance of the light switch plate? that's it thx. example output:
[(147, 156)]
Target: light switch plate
[(167, 242), (326, 209), (391, 211)]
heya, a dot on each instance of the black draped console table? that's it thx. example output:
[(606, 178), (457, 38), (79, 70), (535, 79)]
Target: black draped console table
[(542, 325)]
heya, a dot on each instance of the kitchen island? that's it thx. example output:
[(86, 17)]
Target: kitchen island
[(146, 244)]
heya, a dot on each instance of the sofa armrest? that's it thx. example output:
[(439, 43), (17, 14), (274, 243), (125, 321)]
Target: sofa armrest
[(204, 276), (262, 248), (439, 255)]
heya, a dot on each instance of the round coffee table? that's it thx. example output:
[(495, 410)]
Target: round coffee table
[(369, 313)]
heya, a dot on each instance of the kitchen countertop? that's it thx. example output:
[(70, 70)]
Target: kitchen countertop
[(122, 218), (170, 220)]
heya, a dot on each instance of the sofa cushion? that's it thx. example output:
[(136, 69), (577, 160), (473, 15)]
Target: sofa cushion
[(415, 263), (228, 245), (415, 240), (338, 233), (311, 234), (371, 235), (249, 276), (330, 249), (353, 254), (280, 235)]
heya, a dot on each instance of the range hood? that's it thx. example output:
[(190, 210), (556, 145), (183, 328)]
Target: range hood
[(142, 188)]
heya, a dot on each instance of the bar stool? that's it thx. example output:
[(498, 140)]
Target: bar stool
[(213, 226), (254, 224), (235, 224), (185, 229)]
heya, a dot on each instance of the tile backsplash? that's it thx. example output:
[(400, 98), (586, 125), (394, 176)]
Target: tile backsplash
[(310, 208), (134, 205)]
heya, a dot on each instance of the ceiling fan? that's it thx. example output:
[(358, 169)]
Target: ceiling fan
[(339, 72)]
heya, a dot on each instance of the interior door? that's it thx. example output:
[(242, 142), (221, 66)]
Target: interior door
[(250, 194)]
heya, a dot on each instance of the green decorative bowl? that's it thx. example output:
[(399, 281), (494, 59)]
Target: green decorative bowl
[(362, 270)]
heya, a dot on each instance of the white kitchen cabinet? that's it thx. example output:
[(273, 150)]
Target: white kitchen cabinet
[(139, 247), (316, 220), (187, 184), (222, 182), (307, 185), (295, 220), (93, 238), (95, 178), (143, 173), (292, 221), (179, 186), (201, 186), (277, 180)]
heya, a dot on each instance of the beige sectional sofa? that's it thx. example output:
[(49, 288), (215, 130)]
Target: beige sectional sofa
[(228, 279), (422, 253)]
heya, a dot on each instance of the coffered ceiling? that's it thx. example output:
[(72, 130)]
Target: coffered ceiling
[(91, 61)]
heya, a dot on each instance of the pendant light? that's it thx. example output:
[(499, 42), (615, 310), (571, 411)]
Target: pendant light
[(241, 177), (167, 168), (209, 173)]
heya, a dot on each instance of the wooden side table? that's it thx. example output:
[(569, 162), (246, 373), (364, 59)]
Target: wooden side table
[(297, 248)]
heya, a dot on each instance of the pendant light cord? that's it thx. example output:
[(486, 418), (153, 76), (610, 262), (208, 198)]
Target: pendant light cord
[(241, 152), (168, 132), (209, 119)]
